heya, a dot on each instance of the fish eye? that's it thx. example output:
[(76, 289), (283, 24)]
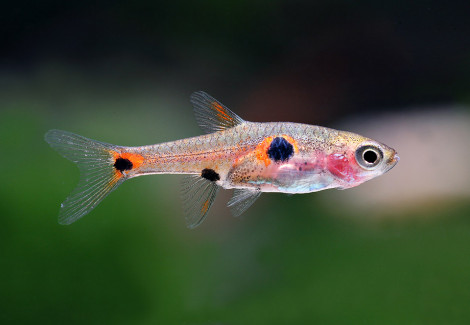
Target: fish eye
[(369, 156)]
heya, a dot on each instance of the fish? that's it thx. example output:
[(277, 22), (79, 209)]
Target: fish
[(248, 157)]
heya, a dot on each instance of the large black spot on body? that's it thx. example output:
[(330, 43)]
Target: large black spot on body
[(122, 164), (210, 174), (280, 149)]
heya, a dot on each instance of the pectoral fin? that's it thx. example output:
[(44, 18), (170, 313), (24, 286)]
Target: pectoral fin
[(241, 200)]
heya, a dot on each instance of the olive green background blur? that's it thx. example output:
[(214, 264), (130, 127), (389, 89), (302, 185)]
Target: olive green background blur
[(122, 72)]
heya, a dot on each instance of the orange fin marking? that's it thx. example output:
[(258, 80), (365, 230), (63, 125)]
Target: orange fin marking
[(205, 207), (261, 150), (222, 114)]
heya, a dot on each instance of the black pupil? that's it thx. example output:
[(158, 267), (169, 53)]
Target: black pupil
[(370, 156)]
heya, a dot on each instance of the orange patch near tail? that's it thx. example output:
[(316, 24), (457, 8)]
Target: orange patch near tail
[(261, 150), (136, 159)]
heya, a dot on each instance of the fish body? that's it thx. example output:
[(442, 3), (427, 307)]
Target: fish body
[(235, 154)]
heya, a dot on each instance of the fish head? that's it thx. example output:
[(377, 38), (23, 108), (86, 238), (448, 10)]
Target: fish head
[(355, 159)]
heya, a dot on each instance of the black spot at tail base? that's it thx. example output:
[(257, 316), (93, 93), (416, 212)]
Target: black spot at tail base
[(280, 150), (123, 164), (210, 174)]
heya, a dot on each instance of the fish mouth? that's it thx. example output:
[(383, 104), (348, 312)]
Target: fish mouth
[(392, 161)]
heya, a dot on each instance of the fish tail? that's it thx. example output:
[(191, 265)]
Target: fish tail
[(101, 171)]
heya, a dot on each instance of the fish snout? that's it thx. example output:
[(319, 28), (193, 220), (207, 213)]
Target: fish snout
[(392, 161), (396, 158)]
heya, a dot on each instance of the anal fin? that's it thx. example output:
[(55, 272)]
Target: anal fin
[(241, 200), (198, 194)]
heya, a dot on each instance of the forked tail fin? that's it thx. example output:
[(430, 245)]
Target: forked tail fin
[(98, 174)]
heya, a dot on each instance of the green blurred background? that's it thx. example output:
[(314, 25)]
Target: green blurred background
[(121, 72)]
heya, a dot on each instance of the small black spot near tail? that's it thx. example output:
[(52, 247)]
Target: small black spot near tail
[(123, 164)]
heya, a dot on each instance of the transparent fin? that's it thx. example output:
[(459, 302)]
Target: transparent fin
[(98, 177), (198, 194), (211, 115), (241, 200)]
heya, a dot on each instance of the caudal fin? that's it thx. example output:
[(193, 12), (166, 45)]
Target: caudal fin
[(98, 174)]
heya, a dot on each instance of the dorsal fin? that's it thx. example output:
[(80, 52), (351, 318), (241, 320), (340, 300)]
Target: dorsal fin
[(212, 115)]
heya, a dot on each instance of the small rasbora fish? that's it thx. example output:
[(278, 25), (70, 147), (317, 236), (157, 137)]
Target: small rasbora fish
[(248, 157)]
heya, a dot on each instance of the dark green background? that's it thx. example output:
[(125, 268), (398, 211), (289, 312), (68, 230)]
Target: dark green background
[(122, 72)]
